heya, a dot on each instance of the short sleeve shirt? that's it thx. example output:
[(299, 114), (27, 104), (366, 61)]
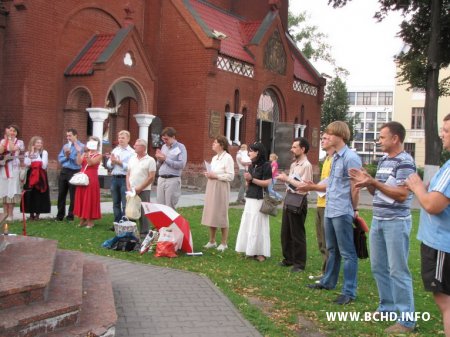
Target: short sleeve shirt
[(139, 170), (262, 172), (339, 197), (434, 229)]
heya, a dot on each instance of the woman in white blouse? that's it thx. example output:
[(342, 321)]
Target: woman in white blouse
[(10, 149), (217, 195), (37, 193)]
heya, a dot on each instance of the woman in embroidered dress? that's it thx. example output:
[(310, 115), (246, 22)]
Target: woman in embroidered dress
[(87, 198), (10, 148), (37, 193), (254, 232), (217, 195)]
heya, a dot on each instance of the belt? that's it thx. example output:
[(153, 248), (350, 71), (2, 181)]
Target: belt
[(119, 176), (167, 176), (69, 169)]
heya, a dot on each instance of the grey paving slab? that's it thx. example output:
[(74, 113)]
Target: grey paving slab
[(163, 302)]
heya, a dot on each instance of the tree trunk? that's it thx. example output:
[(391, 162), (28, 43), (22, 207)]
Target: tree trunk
[(433, 145)]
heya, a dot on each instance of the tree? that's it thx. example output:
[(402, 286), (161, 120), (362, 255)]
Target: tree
[(426, 31), (311, 42), (335, 105)]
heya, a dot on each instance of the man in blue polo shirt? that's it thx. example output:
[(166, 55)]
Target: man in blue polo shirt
[(67, 157), (342, 202), (434, 231), (391, 226)]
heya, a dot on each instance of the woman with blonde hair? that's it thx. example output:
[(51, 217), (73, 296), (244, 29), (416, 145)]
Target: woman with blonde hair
[(217, 195), (36, 199), (87, 198)]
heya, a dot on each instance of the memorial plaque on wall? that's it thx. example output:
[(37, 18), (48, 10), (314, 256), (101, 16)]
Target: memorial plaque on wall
[(155, 132), (315, 137), (284, 135), (214, 124)]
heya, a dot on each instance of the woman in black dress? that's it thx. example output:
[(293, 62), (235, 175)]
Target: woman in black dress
[(37, 193)]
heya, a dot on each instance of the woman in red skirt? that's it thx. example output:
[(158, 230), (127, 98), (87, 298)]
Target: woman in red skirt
[(87, 198)]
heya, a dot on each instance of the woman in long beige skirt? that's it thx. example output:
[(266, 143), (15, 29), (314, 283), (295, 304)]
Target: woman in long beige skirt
[(217, 195)]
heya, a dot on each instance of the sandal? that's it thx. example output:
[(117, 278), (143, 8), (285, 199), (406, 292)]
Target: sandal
[(260, 258), (83, 223)]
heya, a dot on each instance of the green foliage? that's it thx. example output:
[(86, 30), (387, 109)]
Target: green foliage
[(335, 105), (311, 42), (283, 296), (371, 169)]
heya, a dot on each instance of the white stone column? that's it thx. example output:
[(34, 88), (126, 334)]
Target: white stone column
[(237, 118), (302, 130), (144, 120), (98, 116), (296, 127), (228, 116)]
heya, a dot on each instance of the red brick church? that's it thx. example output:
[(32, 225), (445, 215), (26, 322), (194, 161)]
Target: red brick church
[(204, 67)]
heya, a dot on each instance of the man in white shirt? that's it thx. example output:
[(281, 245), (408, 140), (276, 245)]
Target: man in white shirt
[(140, 176), (118, 163)]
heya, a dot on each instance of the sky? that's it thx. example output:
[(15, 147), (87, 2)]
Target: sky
[(358, 42)]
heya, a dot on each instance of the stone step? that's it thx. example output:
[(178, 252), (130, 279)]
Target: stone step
[(61, 307), (98, 313), (26, 267)]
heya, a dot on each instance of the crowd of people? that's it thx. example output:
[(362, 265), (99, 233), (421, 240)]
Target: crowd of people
[(341, 179)]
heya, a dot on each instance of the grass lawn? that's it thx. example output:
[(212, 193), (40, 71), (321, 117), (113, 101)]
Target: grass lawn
[(270, 297)]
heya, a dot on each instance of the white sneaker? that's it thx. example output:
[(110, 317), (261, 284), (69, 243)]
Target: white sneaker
[(210, 245), (222, 247), (151, 237)]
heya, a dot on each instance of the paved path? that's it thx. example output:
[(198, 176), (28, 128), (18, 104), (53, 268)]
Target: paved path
[(163, 302)]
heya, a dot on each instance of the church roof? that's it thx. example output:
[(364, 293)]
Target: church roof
[(237, 31), (97, 50)]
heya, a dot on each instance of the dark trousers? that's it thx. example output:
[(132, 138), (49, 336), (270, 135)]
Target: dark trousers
[(293, 236), (63, 188)]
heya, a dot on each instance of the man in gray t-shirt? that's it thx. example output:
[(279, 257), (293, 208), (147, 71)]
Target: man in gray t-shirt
[(391, 226)]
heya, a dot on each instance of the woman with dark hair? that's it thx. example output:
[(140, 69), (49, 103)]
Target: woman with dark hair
[(10, 189), (217, 195), (37, 195), (254, 232)]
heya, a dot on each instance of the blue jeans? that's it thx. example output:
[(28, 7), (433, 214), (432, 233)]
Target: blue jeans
[(272, 192), (118, 189), (339, 239), (389, 251)]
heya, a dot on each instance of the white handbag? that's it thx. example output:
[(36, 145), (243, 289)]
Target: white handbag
[(80, 179)]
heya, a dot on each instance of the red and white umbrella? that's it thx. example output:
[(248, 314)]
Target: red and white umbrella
[(165, 216)]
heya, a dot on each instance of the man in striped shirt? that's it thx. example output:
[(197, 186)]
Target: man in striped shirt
[(391, 226)]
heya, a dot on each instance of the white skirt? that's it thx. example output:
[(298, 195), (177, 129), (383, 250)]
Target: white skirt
[(10, 187), (254, 231)]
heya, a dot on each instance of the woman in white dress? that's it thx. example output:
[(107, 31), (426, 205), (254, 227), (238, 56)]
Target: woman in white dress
[(10, 189), (217, 195), (254, 231)]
